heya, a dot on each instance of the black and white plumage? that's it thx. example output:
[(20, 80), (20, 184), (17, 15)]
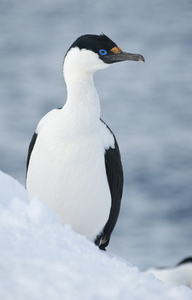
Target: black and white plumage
[(74, 164), (181, 274)]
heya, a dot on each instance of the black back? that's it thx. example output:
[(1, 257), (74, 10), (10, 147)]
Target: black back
[(185, 261)]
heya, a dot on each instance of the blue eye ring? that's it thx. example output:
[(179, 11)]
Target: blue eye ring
[(102, 52)]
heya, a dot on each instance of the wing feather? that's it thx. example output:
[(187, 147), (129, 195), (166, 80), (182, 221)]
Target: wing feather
[(114, 172), (31, 146)]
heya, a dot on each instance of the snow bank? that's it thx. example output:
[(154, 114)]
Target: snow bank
[(40, 259)]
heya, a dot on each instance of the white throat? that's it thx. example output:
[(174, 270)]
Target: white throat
[(78, 69), (82, 96)]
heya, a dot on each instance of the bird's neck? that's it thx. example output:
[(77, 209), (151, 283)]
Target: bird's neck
[(82, 97)]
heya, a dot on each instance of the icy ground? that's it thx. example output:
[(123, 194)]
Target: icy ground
[(40, 259)]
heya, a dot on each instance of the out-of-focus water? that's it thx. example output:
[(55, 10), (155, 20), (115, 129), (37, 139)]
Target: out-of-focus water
[(148, 106)]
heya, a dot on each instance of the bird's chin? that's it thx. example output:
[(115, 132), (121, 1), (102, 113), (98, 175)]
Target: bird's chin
[(101, 66)]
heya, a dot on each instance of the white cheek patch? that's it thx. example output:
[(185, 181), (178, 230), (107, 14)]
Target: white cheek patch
[(87, 60)]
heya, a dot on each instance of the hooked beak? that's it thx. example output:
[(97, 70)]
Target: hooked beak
[(122, 56)]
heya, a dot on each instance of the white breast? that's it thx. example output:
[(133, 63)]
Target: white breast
[(67, 171)]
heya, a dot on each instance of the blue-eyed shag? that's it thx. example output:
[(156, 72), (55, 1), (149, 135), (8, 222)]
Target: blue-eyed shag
[(74, 163)]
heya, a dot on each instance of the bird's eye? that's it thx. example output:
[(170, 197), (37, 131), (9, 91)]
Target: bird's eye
[(102, 52)]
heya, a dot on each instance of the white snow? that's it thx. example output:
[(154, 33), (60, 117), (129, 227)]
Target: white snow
[(41, 259)]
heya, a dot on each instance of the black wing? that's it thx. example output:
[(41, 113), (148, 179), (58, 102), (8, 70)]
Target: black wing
[(185, 261), (31, 146), (114, 172)]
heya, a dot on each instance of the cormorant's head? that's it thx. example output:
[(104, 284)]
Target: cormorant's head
[(93, 52)]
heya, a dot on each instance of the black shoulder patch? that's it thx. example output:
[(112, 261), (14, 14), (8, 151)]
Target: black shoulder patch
[(114, 172), (31, 146)]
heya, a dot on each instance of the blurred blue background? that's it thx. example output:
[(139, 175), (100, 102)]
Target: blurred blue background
[(148, 106)]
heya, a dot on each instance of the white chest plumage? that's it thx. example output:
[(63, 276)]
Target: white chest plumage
[(67, 170)]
